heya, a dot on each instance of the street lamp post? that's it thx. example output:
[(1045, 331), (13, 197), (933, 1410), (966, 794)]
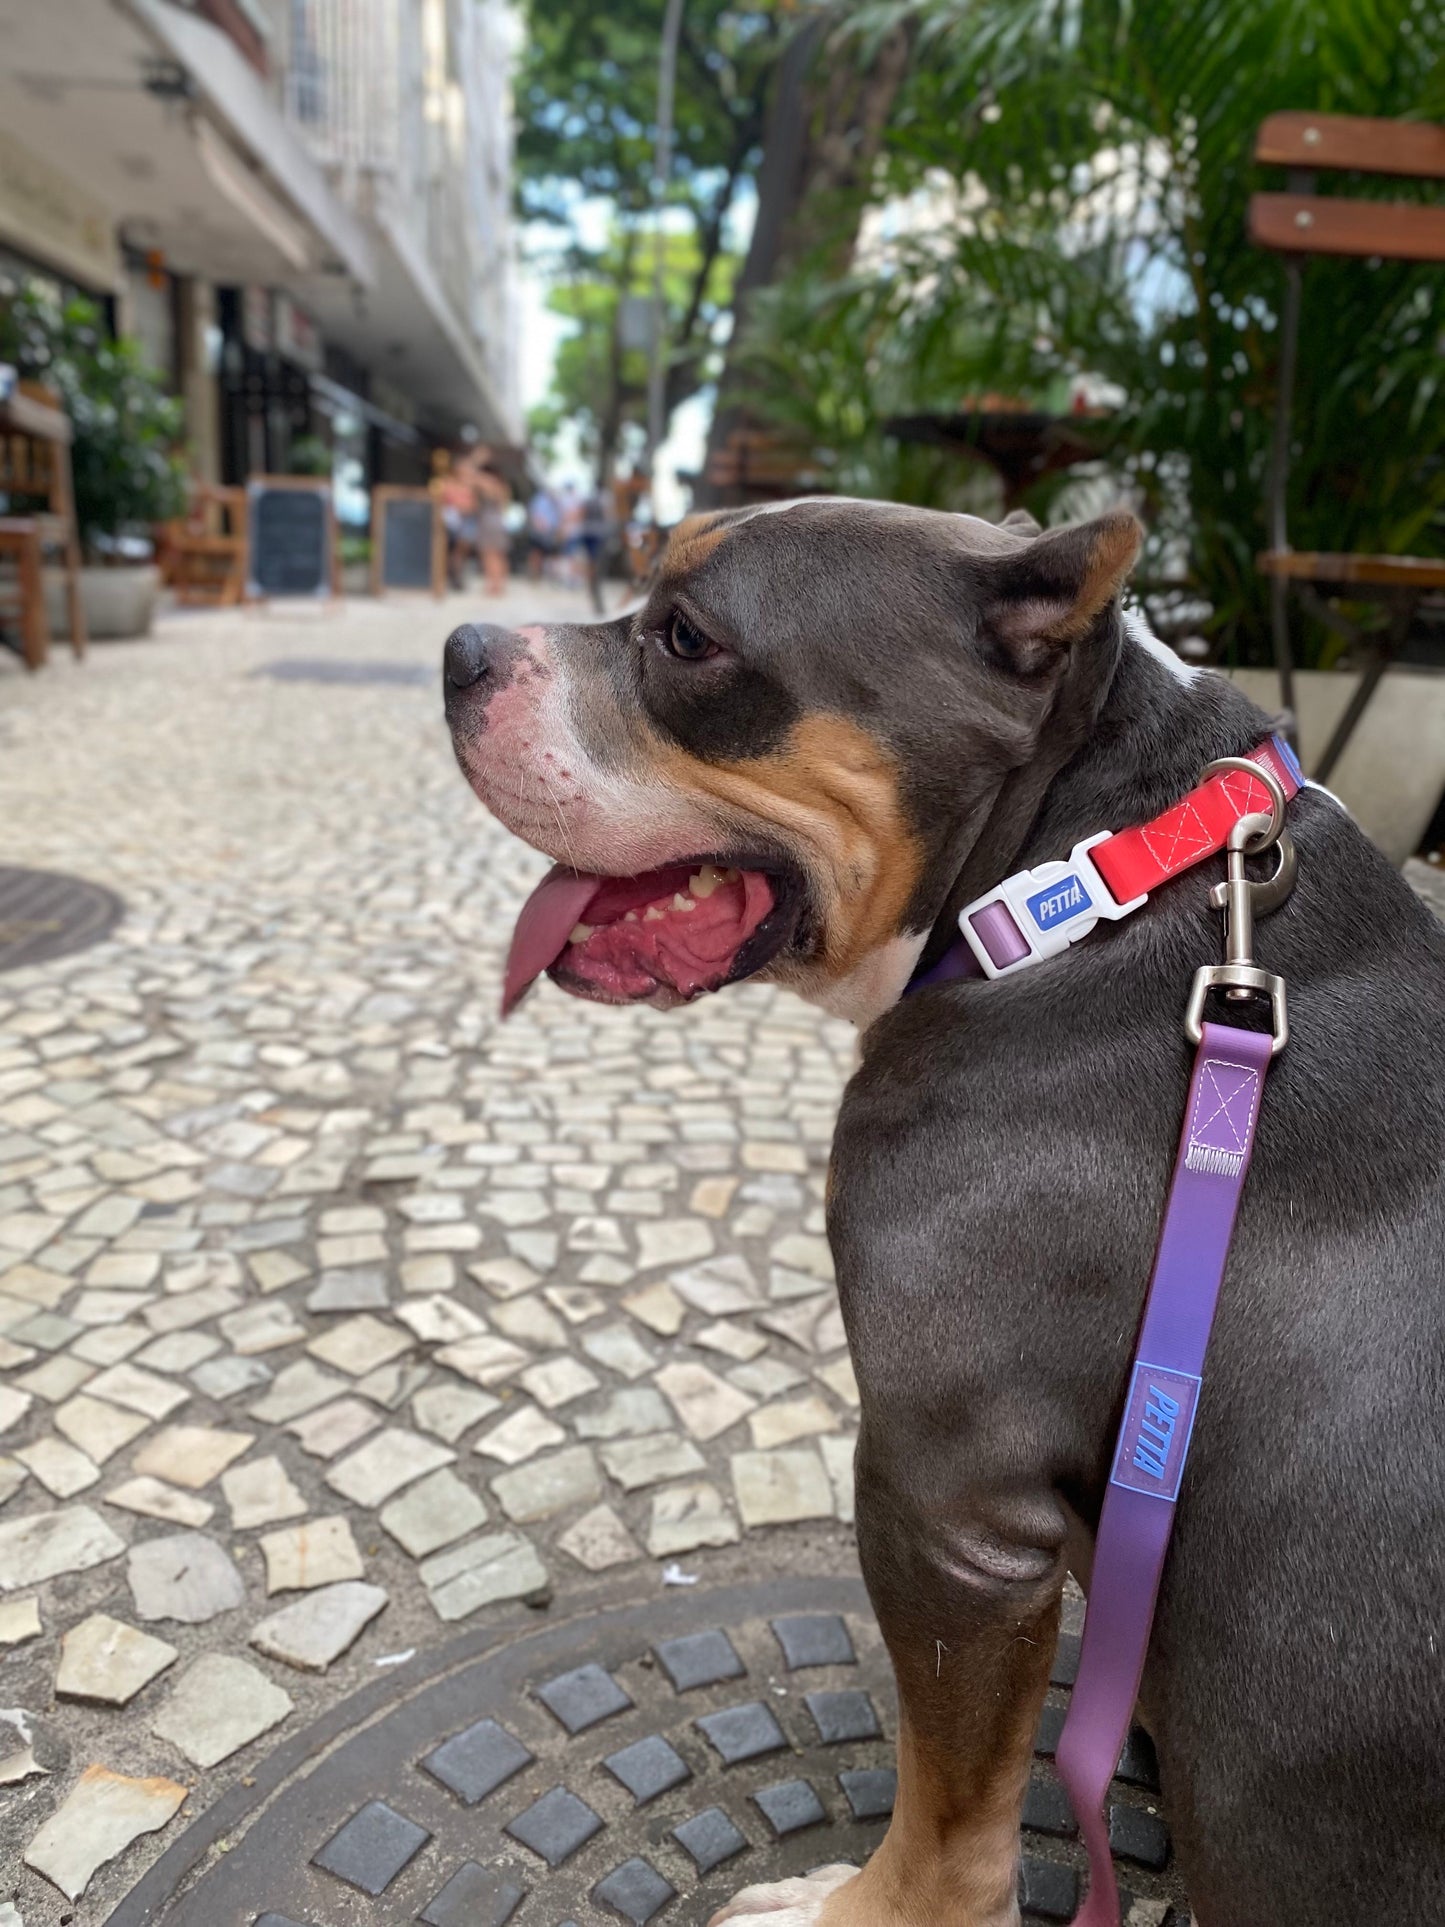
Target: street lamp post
[(661, 171)]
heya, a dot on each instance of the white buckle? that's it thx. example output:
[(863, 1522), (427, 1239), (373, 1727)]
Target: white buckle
[(1052, 907)]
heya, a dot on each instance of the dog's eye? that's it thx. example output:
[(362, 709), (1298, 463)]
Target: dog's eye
[(686, 642)]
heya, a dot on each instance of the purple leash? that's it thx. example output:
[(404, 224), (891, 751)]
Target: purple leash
[(1021, 922), (1138, 1514)]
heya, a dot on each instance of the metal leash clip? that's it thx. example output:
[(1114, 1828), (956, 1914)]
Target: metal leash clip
[(1242, 899)]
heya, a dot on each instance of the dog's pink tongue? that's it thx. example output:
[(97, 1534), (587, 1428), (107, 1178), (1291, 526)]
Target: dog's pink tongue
[(548, 918)]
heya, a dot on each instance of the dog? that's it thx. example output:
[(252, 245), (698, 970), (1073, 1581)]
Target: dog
[(830, 726)]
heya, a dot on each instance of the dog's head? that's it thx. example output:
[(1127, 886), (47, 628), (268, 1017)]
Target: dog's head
[(780, 762)]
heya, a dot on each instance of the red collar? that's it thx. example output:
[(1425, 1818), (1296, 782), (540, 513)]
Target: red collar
[(1038, 913)]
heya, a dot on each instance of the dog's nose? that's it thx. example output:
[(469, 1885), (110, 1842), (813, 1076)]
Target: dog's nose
[(465, 658)]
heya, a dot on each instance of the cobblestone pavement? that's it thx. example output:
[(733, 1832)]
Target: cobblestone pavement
[(331, 1312)]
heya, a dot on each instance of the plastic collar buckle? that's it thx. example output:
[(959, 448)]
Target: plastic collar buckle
[(1051, 907)]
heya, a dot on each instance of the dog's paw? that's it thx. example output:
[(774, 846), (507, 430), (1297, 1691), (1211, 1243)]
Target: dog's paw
[(784, 1903)]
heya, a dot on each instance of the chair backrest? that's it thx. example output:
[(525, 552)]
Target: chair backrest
[(1304, 222), (29, 466)]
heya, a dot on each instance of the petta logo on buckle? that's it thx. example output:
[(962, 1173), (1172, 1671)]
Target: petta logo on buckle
[(1059, 903)]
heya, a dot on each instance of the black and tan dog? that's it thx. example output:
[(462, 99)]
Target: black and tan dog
[(831, 726)]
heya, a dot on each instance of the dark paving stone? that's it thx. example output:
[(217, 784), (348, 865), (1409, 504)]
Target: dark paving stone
[(648, 1768), (1047, 1809), (843, 1716), (1047, 1891), (1050, 1726), (469, 1739), (1139, 1836), (699, 1659), (555, 1826), (582, 1698), (1065, 1669), (1139, 1763), (636, 1890), (814, 1639), (476, 1761), (474, 1897), (870, 1791), (44, 914), (789, 1806), (742, 1732), (372, 1848), (710, 1837)]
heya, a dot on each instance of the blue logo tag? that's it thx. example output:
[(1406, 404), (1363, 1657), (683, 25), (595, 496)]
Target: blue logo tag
[(1154, 1438), (1060, 903)]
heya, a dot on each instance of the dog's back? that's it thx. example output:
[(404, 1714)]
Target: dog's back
[(1024, 1131)]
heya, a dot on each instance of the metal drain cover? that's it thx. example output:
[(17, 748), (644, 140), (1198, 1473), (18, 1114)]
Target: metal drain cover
[(328, 669), (45, 914), (640, 1764)]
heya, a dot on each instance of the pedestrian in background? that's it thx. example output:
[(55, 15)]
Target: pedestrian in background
[(544, 529), (454, 490), (493, 498)]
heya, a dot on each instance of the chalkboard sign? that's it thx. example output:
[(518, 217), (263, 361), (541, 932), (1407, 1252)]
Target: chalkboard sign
[(408, 546), (292, 547)]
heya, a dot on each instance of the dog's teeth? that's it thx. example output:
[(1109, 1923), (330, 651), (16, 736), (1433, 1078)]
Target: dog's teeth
[(630, 917), (705, 882), (582, 932), (680, 902), (730, 876), (652, 914)]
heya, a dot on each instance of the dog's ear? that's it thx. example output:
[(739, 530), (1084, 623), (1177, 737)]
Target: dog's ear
[(1045, 595), (1022, 521)]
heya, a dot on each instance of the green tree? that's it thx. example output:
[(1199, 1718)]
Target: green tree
[(599, 379), (1067, 185), (587, 103)]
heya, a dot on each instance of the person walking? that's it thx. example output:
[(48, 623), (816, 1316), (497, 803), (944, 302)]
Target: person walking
[(493, 498), (544, 531), (453, 489), (593, 527)]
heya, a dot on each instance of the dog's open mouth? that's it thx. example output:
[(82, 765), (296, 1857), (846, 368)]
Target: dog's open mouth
[(667, 935)]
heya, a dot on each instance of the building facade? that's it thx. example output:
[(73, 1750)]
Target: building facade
[(301, 207)]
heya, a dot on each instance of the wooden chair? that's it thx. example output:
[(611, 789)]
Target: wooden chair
[(20, 544), (203, 554), (1295, 225), (35, 439), (763, 465)]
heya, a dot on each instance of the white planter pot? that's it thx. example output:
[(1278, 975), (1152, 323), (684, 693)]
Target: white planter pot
[(1392, 773), (118, 602)]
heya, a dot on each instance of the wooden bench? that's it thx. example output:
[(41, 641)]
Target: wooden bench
[(1295, 225)]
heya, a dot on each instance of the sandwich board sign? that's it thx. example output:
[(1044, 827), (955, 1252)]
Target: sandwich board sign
[(292, 545), (408, 542)]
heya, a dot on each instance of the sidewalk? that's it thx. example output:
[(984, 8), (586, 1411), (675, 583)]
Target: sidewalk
[(333, 1315)]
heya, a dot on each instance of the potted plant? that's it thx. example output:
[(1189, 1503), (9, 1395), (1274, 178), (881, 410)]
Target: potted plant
[(128, 473)]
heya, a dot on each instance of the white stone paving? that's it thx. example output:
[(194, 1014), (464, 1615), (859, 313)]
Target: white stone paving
[(312, 1275)]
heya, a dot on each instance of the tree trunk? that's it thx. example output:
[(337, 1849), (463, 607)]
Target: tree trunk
[(609, 428), (825, 127)]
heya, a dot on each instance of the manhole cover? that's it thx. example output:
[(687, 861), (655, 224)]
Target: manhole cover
[(326, 669), (640, 1764), (44, 914)]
